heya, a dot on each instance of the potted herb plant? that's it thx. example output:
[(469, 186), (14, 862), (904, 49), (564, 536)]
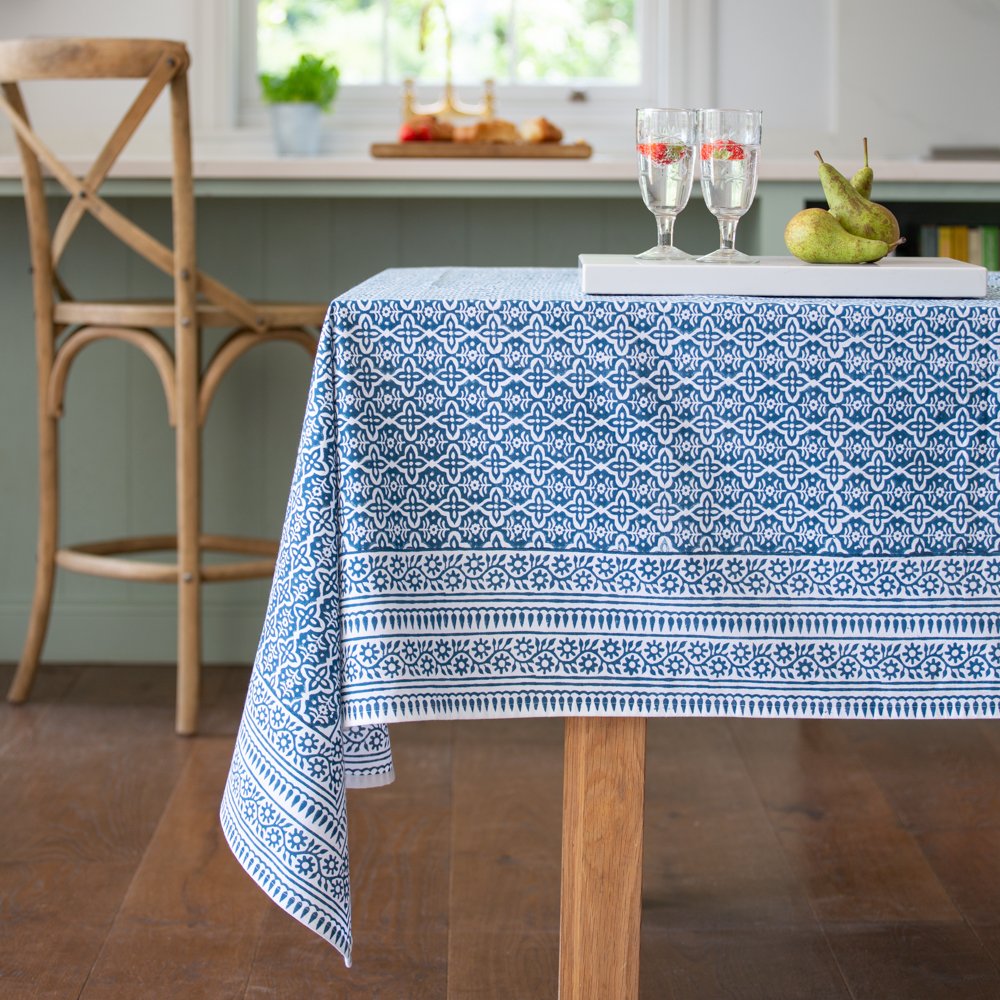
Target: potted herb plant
[(297, 99)]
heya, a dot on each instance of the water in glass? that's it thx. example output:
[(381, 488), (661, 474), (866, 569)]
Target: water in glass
[(729, 185), (666, 170)]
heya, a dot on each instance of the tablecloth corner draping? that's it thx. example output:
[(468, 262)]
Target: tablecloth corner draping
[(284, 811)]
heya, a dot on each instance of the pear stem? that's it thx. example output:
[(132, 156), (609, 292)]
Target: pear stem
[(865, 141), (818, 156)]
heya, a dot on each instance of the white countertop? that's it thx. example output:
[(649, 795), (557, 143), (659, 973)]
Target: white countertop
[(598, 168)]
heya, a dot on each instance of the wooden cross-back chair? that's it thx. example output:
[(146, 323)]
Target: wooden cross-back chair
[(64, 325)]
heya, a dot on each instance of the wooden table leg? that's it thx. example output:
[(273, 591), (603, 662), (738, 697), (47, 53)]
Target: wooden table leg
[(601, 905)]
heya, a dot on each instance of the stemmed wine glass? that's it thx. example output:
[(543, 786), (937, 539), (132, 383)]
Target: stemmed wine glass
[(729, 143), (664, 142)]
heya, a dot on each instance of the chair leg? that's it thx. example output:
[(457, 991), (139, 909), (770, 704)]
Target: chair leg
[(188, 642), (45, 560), (188, 535)]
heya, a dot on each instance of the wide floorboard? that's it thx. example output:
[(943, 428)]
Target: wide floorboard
[(783, 859)]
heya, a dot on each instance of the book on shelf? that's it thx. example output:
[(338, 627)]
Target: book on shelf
[(944, 242), (991, 248), (960, 242), (975, 244), (927, 245)]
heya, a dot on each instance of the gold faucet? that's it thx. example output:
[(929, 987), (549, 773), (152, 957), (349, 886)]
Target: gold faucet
[(448, 104)]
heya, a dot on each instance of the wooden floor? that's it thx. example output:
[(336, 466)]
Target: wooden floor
[(783, 859)]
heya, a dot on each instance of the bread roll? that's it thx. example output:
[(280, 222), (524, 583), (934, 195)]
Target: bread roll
[(497, 130), (540, 130)]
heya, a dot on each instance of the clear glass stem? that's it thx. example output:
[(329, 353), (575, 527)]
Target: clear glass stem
[(665, 231), (727, 234)]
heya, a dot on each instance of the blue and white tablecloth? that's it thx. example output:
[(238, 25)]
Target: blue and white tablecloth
[(513, 499)]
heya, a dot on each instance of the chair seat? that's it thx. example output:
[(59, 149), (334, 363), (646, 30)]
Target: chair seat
[(161, 313)]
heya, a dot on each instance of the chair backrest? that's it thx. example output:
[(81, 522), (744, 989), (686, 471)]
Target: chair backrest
[(162, 64)]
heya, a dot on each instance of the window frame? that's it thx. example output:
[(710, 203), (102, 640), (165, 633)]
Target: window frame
[(368, 112)]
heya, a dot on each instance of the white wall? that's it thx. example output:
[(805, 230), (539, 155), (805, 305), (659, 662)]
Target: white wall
[(925, 72), (908, 73), (73, 116)]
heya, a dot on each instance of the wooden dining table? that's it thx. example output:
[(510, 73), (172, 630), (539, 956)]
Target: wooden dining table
[(512, 499)]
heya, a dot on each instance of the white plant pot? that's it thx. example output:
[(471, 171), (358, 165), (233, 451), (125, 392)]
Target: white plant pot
[(298, 128)]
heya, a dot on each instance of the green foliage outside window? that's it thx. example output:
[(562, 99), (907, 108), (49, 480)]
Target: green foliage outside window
[(376, 41)]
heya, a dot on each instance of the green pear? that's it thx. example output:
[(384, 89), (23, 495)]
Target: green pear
[(814, 235), (862, 180), (855, 213)]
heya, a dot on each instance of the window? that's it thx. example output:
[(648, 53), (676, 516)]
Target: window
[(379, 41), (573, 60)]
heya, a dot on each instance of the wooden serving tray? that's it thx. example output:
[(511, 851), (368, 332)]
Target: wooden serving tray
[(484, 150)]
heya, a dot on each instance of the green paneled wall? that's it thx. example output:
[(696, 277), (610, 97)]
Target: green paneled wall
[(116, 446)]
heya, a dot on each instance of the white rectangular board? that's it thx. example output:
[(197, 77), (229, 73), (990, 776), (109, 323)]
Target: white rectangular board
[(892, 277)]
